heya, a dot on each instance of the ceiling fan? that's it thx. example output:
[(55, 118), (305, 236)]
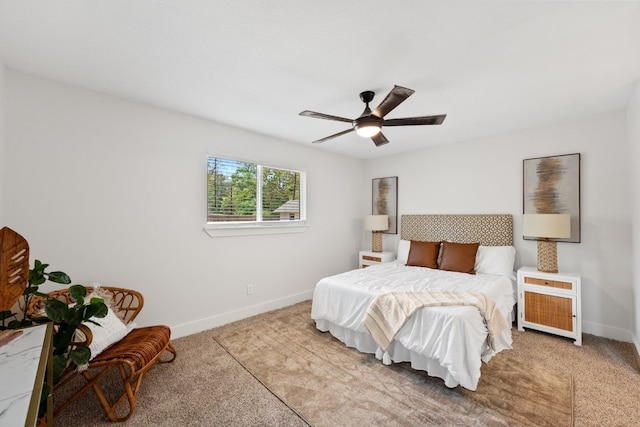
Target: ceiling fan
[(370, 122)]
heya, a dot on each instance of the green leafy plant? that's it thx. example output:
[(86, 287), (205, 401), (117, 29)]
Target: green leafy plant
[(37, 276), (66, 318)]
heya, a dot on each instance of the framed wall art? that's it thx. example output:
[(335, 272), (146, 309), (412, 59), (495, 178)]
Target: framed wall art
[(385, 200), (551, 185)]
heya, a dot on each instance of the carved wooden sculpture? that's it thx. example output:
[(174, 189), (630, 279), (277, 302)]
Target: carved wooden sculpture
[(14, 267)]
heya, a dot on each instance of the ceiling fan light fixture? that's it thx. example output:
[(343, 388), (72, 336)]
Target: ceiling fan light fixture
[(369, 123), (368, 128)]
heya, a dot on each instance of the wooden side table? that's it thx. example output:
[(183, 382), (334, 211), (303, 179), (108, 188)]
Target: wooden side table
[(550, 302)]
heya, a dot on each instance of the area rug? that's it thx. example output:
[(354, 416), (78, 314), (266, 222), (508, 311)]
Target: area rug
[(328, 384)]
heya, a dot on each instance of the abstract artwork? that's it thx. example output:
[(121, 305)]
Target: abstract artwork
[(551, 185), (385, 200)]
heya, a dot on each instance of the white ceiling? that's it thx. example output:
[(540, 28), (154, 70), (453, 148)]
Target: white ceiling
[(491, 66)]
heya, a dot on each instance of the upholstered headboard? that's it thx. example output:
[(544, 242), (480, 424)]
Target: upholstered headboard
[(487, 229)]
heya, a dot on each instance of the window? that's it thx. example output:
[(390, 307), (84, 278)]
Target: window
[(241, 193)]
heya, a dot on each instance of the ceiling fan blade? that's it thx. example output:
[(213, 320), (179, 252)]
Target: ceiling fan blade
[(397, 95), (379, 139), (415, 121), (315, 115), (333, 136)]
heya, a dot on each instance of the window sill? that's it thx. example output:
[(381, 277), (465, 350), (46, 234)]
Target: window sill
[(227, 230)]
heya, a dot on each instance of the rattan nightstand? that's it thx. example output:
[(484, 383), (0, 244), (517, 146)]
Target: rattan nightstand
[(550, 302), (368, 258)]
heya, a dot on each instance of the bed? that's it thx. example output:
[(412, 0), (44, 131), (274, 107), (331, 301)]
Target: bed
[(448, 342)]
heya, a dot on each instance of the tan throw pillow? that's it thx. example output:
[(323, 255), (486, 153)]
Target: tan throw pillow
[(424, 254), (459, 257)]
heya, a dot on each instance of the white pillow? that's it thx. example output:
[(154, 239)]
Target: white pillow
[(497, 260), (111, 330), (403, 251)]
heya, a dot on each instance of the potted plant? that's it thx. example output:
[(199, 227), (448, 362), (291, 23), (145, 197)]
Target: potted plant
[(37, 276), (65, 317)]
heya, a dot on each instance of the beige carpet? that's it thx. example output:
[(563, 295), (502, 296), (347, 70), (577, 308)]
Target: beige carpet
[(205, 386)]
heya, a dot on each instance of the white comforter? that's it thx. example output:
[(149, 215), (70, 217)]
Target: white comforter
[(447, 342)]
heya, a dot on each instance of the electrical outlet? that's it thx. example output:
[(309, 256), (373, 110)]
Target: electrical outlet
[(249, 289)]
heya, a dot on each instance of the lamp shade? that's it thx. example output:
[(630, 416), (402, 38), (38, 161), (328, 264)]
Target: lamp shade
[(547, 226), (376, 222)]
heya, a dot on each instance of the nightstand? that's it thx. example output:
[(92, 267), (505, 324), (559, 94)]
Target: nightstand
[(368, 258), (550, 302)]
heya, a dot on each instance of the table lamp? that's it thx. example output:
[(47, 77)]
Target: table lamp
[(377, 224), (544, 227)]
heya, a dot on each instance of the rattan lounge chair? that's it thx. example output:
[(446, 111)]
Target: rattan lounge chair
[(132, 356)]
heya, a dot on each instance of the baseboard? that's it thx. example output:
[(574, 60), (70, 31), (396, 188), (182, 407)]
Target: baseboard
[(605, 331), (636, 353), (200, 325)]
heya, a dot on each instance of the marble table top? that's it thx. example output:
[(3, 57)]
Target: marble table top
[(19, 360)]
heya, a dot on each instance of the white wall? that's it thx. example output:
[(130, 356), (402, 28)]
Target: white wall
[(2, 143), (114, 191), (485, 176), (633, 126)]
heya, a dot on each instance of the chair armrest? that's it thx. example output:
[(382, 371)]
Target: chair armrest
[(83, 336)]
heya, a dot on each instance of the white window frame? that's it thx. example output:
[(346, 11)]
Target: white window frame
[(260, 227)]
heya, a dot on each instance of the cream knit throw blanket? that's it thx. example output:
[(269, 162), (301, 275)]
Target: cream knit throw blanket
[(388, 313)]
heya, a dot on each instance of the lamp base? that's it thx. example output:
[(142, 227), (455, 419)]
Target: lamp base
[(376, 241), (547, 256)]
